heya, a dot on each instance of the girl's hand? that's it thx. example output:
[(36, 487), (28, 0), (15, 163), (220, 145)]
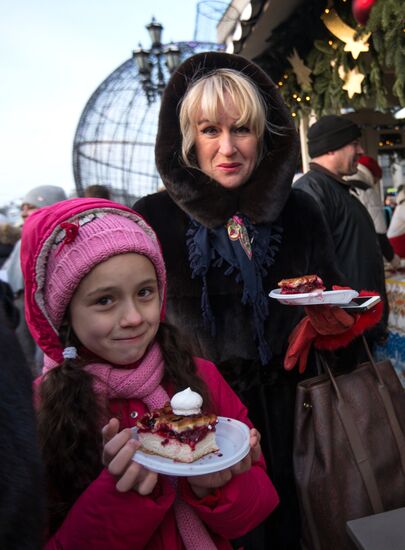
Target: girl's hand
[(118, 450), (203, 485), (255, 447)]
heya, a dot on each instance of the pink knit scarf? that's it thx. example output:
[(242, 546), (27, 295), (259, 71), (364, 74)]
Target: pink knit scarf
[(143, 382)]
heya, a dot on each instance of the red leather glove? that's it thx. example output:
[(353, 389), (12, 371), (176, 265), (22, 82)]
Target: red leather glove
[(362, 322), (300, 343), (321, 319), (329, 320)]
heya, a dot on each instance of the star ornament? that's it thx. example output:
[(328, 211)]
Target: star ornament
[(356, 47), (345, 33), (300, 69), (352, 81)]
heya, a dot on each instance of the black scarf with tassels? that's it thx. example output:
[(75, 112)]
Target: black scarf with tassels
[(248, 252)]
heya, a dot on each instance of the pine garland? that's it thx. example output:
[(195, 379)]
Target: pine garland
[(387, 23), (324, 54)]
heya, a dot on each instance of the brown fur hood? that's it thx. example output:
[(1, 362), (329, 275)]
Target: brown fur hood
[(263, 197)]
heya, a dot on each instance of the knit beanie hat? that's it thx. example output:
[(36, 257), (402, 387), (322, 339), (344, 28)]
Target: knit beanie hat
[(62, 243), (44, 195), (330, 133)]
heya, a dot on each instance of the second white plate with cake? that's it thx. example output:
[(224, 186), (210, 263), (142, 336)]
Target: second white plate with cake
[(317, 297), (232, 438)]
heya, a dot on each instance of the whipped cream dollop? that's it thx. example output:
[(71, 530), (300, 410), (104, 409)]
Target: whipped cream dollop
[(186, 402)]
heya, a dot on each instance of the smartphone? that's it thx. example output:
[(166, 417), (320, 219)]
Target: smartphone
[(362, 303)]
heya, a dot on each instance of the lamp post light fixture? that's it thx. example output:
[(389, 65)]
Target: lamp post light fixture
[(149, 62)]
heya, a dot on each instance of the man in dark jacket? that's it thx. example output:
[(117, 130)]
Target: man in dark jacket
[(334, 147)]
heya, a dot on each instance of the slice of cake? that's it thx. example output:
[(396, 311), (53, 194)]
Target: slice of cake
[(299, 285), (178, 430)]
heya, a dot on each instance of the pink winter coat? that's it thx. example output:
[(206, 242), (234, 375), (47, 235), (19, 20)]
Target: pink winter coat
[(104, 519)]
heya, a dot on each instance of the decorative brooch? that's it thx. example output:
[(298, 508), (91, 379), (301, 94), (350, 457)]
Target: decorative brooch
[(237, 232)]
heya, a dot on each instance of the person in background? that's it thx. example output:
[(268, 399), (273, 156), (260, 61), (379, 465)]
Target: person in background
[(44, 195), (100, 191), (9, 236), (334, 147), (230, 228), (366, 183), (22, 485), (95, 299), (390, 202), (396, 229)]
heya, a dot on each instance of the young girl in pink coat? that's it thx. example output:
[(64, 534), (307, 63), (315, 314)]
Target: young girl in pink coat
[(95, 295)]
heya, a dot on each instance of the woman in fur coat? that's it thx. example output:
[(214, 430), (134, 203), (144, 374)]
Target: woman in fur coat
[(230, 228)]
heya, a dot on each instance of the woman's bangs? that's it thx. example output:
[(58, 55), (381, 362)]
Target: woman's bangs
[(212, 100), (250, 114)]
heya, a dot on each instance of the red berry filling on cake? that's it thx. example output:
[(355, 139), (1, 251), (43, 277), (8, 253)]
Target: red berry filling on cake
[(184, 438), (300, 285), (190, 437)]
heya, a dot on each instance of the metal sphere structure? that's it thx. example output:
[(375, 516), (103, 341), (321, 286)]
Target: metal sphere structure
[(115, 136)]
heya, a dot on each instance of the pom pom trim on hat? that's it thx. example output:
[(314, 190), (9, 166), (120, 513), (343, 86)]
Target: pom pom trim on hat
[(372, 165), (363, 175)]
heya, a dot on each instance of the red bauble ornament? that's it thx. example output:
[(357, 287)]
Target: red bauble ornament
[(361, 10)]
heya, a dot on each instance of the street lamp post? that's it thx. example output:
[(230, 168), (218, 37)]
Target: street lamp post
[(149, 62)]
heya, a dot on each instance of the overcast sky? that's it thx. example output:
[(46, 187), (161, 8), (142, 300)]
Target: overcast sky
[(53, 55)]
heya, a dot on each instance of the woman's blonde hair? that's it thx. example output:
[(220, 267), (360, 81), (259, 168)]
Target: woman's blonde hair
[(207, 95)]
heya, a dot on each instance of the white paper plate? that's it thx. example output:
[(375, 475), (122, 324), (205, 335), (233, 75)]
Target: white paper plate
[(337, 297), (233, 440)]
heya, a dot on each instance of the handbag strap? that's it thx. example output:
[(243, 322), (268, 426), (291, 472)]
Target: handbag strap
[(389, 408), (360, 453)]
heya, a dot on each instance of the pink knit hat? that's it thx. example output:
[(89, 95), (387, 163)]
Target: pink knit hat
[(62, 243)]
